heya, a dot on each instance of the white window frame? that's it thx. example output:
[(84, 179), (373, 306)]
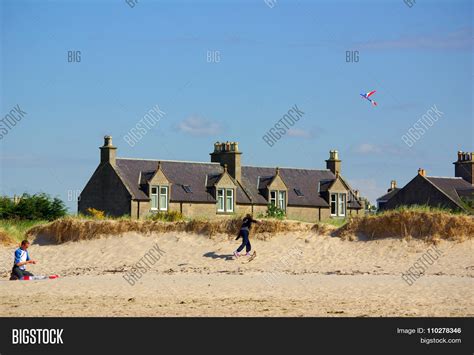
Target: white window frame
[(335, 204), (340, 201), (165, 208), (220, 199), (282, 200), (229, 196), (273, 199), (154, 196)]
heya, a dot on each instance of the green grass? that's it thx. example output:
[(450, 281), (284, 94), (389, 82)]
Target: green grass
[(423, 208), (336, 222), (16, 228)]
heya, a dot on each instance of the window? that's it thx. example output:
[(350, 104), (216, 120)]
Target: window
[(229, 197), (159, 198), (163, 198), (298, 192), (282, 200), (225, 200), (154, 197), (342, 205), (338, 204), (220, 200), (187, 189), (333, 204), (278, 199), (273, 198)]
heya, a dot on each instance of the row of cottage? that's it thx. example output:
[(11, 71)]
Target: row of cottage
[(223, 186)]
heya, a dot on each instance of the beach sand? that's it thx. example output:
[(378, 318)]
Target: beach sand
[(299, 274)]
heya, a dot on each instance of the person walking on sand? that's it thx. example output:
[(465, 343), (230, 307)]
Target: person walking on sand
[(244, 233), (21, 258)]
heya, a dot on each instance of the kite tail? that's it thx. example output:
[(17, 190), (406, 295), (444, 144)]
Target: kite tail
[(374, 103)]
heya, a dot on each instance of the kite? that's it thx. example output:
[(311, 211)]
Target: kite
[(367, 97)]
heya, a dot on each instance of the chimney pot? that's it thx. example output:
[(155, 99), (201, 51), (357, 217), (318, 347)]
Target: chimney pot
[(107, 141), (333, 155), (464, 166), (393, 184), (422, 172)]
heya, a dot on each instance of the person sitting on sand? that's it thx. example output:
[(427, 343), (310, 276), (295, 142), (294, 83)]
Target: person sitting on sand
[(244, 233), (22, 257)]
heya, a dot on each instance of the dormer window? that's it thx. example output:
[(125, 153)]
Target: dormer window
[(225, 200), (338, 204), (278, 199), (159, 198)]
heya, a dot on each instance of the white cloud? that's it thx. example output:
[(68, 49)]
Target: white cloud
[(367, 148), (199, 126), (299, 133)]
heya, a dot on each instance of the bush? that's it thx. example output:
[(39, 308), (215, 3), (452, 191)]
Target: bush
[(32, 207), (169, 216), (275, 212), (95, 214)]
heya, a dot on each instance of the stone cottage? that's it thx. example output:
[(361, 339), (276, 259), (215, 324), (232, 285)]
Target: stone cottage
[(454, 193), (223, 186)]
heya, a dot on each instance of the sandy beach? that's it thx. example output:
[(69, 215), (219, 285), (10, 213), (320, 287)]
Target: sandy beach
[(298, 274)]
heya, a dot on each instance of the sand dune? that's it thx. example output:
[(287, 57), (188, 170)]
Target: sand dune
[(302, 274)]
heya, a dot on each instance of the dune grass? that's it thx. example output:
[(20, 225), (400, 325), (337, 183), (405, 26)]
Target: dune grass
[(423, 222), (75, 228), (15, 230), (335, 222), (431, 224)]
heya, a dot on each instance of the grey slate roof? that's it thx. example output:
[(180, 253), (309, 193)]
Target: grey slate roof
[(193, 174), (389, 195), (452, 187), (201, 176), (305, 180)]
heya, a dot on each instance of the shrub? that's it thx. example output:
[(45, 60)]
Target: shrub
[(275, 212), (32, 207), (168, 216), (95, 214)]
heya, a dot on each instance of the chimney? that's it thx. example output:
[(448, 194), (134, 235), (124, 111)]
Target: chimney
[(333, 163), (393, 185), (228, 154), (108, 152), (421, 172), (464, 166)]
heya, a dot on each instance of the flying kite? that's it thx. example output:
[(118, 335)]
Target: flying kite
[(367, 97)]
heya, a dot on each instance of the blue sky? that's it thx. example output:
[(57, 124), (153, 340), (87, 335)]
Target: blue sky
[(271, 58)]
